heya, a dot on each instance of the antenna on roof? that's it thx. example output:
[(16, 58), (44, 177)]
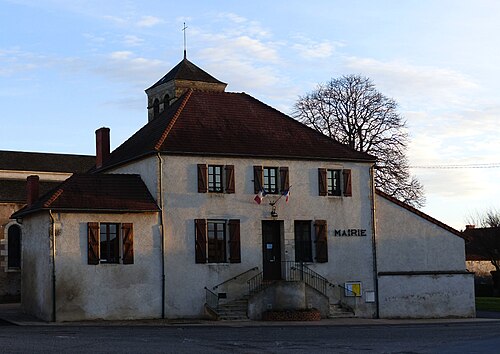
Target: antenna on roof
[(185, 50)]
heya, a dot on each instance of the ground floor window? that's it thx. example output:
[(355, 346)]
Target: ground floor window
[(303, 244), (14, 247), (217, 241), (216, 231), (110, 243)]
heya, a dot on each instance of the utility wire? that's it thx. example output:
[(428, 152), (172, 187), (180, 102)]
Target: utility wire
[(473, 165)]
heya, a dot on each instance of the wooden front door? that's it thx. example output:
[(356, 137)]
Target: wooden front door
[(271, 249)]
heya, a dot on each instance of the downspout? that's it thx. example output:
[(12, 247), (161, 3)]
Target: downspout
[(160, 202), (53, 236), (374, 242)]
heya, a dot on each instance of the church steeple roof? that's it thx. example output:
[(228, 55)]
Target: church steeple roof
[(186, 70)]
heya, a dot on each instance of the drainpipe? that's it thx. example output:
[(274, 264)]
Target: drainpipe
[(160, 202), (374, 242), (53, 236)]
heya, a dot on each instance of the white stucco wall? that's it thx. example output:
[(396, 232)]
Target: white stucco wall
[(107, 291), (421, 267), (147, 168), (350, 258), (36, 279)]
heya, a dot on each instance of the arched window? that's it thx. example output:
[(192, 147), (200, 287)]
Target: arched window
[(166, 102), (14, 247), (156, 108)]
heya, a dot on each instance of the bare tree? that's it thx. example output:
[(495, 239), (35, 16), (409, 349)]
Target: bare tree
[(484, 240), (351, 110)]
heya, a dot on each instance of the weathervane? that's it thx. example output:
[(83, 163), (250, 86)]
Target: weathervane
[(185, 50)]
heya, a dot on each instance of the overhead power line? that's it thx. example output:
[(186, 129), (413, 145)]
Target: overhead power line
[(472, 165)]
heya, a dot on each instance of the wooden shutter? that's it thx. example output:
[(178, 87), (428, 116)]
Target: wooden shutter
[(347, 183), (284, 179), (202, 178), (322, 181), (200, 240), (128, 243), (257, 179), (234, 241), (230, 179), (93, 242), (320, 229)]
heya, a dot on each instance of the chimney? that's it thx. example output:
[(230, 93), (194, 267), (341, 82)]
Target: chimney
[(469, 227), (32, 188), (101, 146)]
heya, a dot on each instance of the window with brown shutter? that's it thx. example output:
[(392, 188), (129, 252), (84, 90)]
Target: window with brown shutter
[(234, 241), (320, 229), (257, 179), (284, 179), (230, 185), (322, 181), (202, 178), (200, 240), (347, 183), (93, 242), (128, 243)]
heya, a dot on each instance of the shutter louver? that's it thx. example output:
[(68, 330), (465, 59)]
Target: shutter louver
[(128, 243), (202, 178), (234, 241), (257, 179), (347, 183), (284, 179), (230, 179), (93, 242), (320, 229), (322, 181), (200, 240)]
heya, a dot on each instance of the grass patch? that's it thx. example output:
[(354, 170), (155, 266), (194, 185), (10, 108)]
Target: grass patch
[(488, 304)]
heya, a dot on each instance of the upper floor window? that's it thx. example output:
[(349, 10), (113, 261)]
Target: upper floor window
[(334, 182), (110, 243), (272, 180), (216, 178)]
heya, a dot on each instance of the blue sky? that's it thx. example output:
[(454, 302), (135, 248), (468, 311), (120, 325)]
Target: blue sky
[(70, 67)]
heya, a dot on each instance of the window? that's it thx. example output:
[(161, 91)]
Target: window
[(216, 239), (215, 178), (271, 180), (303, 245), (110, 243), (166, 102), (333, 182), (14, 247), (156, 108)]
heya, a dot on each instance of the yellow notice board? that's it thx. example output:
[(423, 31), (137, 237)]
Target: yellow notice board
[(353, 288)]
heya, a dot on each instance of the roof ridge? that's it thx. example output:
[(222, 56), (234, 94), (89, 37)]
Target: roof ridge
[(173, 120)]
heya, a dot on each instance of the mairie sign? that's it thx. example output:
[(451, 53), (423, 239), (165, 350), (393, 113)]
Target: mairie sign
[(349, 232)]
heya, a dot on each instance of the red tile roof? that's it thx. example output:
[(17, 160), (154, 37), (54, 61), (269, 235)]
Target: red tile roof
[(230, 124), (419, 213), (96, 193)]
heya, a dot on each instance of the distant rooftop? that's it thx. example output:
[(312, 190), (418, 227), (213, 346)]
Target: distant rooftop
[(45, 162)]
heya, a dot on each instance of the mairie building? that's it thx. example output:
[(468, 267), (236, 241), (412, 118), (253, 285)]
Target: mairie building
[(222, 207)]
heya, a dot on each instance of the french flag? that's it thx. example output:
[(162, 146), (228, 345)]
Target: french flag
[(286, 194), (259, 197)]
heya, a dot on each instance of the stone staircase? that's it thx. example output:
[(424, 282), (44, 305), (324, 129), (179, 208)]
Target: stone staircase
[(235, 310), (338, 311)]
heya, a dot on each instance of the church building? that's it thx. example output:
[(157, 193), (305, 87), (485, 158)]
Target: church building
[(222, 207)]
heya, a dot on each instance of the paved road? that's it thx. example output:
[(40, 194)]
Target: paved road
[(420, 338)]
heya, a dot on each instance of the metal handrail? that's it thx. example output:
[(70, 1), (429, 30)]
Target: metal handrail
[(306, 274), (343, 299), (211, 299), (235, 277), (256, 284)]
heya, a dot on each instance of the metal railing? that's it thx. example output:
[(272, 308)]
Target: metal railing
[(235, 277), (347, 298), (211, 299), (291, 271)]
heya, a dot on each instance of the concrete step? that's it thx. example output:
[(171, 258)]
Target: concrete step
[(337, 311)]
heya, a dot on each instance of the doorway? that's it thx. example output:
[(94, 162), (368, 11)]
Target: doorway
[(271, 249)]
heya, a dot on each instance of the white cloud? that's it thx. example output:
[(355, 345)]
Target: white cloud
[(148, 21), (131, 40), (121, 55)]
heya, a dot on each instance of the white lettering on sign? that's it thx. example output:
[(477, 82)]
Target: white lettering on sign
[(349, 232)]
